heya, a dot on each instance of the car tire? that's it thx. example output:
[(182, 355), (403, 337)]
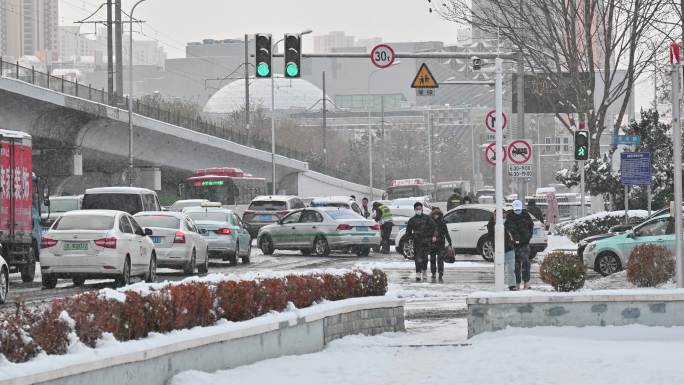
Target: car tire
[(321, 247), (245, 259), (204, 267), (189, 268), (28, 271), (49, 281), (125, 277), (4, 285), (405, 247), (78, 281), (363, 251), (486, 249), (607, 263), (151, 275), (235, 256), (305, 251), (266, 245)]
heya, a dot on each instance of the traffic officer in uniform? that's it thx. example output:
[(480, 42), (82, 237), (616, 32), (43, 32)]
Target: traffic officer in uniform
[(383, 216), (455, 199)]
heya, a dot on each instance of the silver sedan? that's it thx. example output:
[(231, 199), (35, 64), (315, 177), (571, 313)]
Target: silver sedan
[(320, 230)]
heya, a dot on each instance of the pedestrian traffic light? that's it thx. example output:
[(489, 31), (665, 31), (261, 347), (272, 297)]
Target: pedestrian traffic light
[(293, 55), (263, 55), (581, 145)]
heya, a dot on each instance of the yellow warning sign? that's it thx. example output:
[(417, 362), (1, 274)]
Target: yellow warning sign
[(424, 78)]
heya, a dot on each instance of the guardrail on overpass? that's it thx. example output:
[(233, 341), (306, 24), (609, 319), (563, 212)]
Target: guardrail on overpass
[(199, 124)]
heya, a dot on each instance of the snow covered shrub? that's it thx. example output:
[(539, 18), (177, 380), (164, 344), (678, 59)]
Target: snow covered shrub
[(598, 223), (16, 343), (378, 283), (51, 332), (563, 271), (303, 291), (650, 265)]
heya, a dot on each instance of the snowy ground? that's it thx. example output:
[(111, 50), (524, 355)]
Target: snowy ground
[(436, 352)]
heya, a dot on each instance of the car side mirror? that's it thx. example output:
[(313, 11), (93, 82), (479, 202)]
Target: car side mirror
[(631, 234), (203, 231), (148, 232)]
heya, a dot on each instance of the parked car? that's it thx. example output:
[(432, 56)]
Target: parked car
[(177, 241), (179, 205), (4, 280), (342, 202), (85, 244), (608, 256), (321, 230), (58, 205), (225, 234), (264, 210), (129, 199), (467, 226)]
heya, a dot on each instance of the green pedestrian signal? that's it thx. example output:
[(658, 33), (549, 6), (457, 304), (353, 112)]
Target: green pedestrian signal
[(581, 145), (581, 151)]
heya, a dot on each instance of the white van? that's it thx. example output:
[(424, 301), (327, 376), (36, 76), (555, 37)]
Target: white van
[(129, 199)]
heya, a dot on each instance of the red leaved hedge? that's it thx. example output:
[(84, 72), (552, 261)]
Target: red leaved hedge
[(25, 332)]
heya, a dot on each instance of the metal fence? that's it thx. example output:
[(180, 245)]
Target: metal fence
[(65, 85)]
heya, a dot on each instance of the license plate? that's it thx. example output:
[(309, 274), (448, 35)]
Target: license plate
[(365, 239), (265, 218), (75, 246), (156, 239), (361, 228)]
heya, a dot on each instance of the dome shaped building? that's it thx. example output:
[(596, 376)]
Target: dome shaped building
[(290, 94)]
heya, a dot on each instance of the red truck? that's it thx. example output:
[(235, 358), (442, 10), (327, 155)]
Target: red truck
[(20, 230)]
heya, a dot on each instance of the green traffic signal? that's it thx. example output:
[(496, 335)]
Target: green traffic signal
[(292, 70), (581, 151), (263, 70)]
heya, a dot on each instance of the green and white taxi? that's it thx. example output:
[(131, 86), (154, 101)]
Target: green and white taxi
[(320, 230)]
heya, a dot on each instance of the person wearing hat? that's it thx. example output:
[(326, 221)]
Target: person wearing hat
[(522, 228), (423, 231), (383, 216)]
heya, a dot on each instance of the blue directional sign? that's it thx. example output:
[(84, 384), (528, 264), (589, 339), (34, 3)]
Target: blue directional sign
[(626, 139), (635, 168)]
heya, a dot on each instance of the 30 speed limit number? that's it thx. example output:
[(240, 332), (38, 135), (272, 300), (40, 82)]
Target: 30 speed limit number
[(520, 170)]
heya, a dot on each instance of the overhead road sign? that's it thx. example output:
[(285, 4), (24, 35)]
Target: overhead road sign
[(490, 121), (635, 168), (490, 154), (519, 151), (382, 56), (424, 78)]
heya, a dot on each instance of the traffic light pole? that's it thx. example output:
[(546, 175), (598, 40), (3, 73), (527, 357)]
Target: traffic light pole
[(583, 208), (677, 155), (499, 227), (273, 145)]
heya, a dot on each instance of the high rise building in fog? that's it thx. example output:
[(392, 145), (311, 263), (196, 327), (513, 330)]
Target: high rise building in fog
[(29, 27)]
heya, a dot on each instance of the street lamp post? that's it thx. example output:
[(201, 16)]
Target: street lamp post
[(130, 96), (273, 142), (370, 136)]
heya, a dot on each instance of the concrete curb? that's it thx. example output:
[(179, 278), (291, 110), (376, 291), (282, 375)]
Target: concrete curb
[(218, 347)]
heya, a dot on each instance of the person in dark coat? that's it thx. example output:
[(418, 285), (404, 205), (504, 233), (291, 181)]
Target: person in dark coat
[(534, 210), (422, 229), (509, 251), (439, 247), (364, 208), (522, 229)]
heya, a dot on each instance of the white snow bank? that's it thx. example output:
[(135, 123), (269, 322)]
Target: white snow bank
[(617, 281), (565, 226), (438, 354)]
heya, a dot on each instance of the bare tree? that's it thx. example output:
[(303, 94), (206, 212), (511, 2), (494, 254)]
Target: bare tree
[(590, 52)]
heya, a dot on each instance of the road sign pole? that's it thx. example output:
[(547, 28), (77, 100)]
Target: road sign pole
[(582, 189), (649, 198), (499, 227), (677, 151), (626, 204)]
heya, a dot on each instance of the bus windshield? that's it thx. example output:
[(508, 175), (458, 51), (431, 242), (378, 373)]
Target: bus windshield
[(406, 192)]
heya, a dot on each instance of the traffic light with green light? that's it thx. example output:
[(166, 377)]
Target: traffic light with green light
[(263, 55), (293, 55), (581, 145)]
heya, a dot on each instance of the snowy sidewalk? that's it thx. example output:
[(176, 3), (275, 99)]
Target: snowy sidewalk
[(434, 353)]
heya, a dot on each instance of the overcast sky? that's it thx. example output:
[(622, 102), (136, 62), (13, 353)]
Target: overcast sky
[(176, 22)]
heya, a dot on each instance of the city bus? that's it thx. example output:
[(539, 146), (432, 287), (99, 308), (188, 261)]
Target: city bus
[(230, 186), (408, 188)]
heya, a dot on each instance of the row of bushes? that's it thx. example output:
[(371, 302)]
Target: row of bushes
[(649, 265), (87, 317)]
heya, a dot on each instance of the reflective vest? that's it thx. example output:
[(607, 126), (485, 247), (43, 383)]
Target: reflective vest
[(385, 214)]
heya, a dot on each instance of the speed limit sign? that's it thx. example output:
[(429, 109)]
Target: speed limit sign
[(382, 56)]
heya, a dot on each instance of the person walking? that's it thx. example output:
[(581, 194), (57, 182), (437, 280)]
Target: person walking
[(534, 210), (509, 251), (455, 199), (438, 250), (364, 208), (422, 229), (522, 228), (383, 216)]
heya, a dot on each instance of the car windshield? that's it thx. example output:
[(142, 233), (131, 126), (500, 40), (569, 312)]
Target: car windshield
[(61, 205), (343, 214), (84, 222), (130, 203), (214, 216), (267, 205), (164, 221)]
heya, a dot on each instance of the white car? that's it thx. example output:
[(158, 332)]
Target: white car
[(4, 280), (177, 241), (86, 244), (467, 226)]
